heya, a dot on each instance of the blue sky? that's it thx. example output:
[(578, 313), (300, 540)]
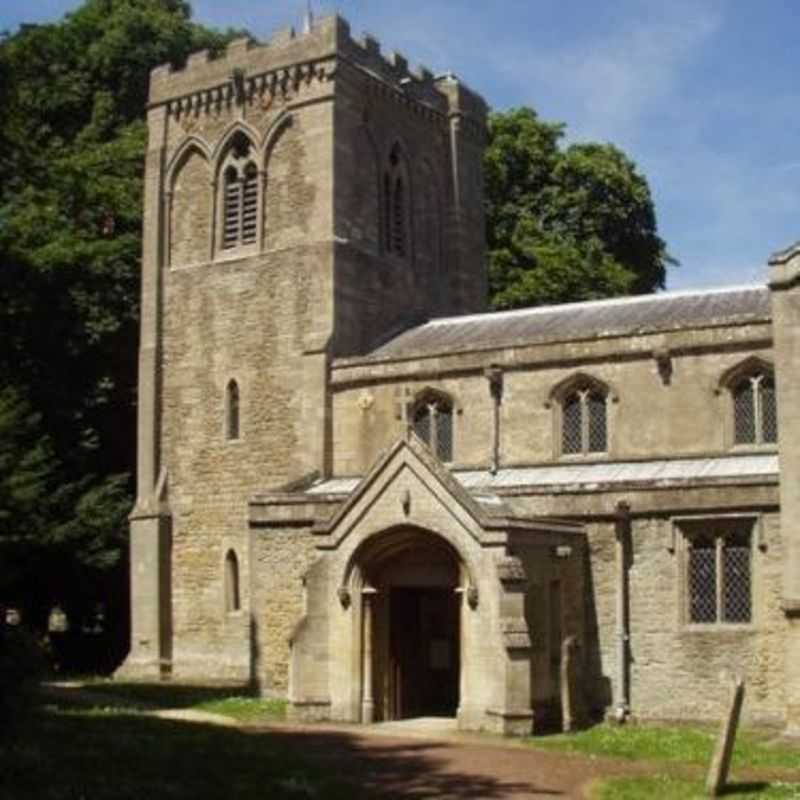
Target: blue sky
[(699, 93)]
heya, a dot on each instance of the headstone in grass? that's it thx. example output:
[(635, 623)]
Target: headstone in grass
[(573, 707), (721, 761)]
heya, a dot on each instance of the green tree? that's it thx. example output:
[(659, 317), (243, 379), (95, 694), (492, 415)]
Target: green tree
[(565, 224), (72, 145)]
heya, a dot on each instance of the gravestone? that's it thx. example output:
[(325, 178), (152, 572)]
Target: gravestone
[(721, 761), (573, 706)]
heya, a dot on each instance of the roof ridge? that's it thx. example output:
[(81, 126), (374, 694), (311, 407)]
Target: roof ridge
[(611, 301)]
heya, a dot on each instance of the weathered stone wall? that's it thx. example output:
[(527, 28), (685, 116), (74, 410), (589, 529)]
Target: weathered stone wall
[(190, 210), (280, 560), (246, 319), (647, 418), (379, 291), (240, 320), (676, 668), (554, 610)]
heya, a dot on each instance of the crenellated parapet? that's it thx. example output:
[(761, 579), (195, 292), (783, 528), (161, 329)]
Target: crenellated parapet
[(278, 70)]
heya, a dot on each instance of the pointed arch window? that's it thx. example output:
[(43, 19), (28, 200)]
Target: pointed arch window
[(233, 600), (582, 418), (232, 411), (240, 195), (395, 205), (755, 417), (433, 423)]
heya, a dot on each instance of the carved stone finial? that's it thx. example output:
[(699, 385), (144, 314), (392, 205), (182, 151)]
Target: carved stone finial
[(663, 359)]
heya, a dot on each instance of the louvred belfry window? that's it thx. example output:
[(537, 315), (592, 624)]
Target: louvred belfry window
[(240, 196), (395, 206)]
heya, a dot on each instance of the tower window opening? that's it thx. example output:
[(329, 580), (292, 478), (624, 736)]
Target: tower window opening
[(232, 411), (239, 196)]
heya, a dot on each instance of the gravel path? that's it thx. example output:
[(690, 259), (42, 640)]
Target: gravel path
[(452, 767)]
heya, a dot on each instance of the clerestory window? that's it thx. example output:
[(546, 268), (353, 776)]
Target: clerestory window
[(433, 423), (584, 427), (755, 419)]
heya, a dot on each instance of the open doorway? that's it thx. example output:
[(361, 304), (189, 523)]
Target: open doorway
[(412, 639), (424, 652)]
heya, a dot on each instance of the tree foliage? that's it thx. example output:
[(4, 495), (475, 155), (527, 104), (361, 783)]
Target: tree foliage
[(565, 224), (72, 144)]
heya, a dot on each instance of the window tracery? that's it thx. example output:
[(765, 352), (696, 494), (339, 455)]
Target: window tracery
[(433, 423), (240, 195), (755, 418), (584, 420)]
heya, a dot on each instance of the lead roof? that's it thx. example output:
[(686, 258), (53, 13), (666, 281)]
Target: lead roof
[(575, 321)]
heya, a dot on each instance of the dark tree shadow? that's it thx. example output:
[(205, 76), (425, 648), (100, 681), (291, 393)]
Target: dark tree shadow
[(152, 696), (732, 789), (66, 755)]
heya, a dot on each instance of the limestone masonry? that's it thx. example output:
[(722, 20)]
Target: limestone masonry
[(359, 489)]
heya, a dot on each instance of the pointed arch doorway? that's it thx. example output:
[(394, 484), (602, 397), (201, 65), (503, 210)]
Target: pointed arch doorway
[(412, 630)]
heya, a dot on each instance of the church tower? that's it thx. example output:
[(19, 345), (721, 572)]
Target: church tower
[(304, 199)]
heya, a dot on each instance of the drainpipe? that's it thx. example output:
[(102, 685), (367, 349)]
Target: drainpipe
[(494, 375), (622, 527)]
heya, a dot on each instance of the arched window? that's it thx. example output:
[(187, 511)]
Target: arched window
[(755, 419), (232, 410), (240, 196), (233, 600), (433, 423), (395, 205), (583, 418)]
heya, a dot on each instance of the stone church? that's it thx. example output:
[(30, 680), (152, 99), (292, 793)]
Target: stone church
[(359, 489)]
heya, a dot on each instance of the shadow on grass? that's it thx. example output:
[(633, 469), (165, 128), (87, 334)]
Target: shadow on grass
[(153, 696), (72, 754), (754, 787)]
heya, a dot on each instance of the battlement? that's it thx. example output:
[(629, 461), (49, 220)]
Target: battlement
[(286, 50)]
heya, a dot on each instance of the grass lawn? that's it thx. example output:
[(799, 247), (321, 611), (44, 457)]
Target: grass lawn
[(685, 746), (238, 704), (662, 787), (680, 743)]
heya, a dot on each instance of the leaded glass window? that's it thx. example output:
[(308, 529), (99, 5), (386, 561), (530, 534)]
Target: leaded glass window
[(584, 425), (719, 575), (433, 423), (572, 425), (755, 419)]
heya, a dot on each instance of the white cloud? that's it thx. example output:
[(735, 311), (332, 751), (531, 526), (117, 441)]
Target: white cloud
[(611, 80)]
